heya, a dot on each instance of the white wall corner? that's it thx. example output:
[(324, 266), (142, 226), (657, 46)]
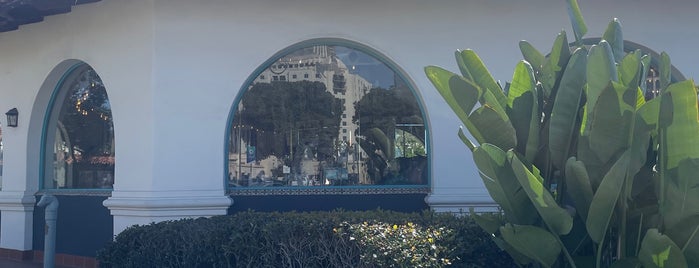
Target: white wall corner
[(461, 202), (17, 215)]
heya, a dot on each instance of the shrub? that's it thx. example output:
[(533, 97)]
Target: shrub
[(313, 239)]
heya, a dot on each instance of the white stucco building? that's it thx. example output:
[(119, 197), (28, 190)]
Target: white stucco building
[(174, 70)]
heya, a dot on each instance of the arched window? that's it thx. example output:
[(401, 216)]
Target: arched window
[(330, 114), (78, 151)]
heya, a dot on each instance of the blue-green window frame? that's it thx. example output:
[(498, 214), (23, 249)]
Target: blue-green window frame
[(44, 128), (422, 188)]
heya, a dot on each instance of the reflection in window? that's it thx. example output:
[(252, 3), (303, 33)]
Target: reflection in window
[(79, 150), (291, 133)]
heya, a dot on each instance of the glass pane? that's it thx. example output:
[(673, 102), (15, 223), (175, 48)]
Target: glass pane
[(327, 116), (80, 135)]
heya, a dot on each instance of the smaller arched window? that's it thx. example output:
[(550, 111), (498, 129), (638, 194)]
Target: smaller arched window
[(78, 151), (327, 115)]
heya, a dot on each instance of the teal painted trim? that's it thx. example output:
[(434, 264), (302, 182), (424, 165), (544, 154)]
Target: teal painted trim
[(44, 128), (331, 42), (397, 186)]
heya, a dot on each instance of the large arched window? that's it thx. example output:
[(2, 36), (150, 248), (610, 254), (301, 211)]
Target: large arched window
[(330, 114), (78, 151)]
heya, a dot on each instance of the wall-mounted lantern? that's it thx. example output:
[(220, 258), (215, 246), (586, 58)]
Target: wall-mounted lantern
[(12, 116)]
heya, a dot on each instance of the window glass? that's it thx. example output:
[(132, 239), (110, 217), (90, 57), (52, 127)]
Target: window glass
[(79, 134), (291, 133)]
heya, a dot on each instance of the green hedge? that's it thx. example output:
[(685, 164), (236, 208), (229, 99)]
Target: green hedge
[(313, 239)]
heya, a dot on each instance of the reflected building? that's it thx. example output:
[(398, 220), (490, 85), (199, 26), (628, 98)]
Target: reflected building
[(326, 149)]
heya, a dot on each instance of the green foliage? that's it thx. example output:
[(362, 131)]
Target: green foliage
[(610, 175), (405, 245), (315, 239), (279, 110)]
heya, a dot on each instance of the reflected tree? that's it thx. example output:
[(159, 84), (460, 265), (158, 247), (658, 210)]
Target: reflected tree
[(290, 118), (379, 113)]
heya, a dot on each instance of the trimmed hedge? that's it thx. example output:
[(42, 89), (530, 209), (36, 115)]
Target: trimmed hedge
[(309, 239)]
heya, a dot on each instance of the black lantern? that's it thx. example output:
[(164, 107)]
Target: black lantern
[(12, 116)]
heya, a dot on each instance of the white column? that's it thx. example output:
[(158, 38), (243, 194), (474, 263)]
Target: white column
[(144, 207), (17, 211)]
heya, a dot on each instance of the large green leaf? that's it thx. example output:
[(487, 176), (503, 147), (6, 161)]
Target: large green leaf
[(576, 19), (502, 185), (524, 110), (682, 193), (495, 128), (555, 63), (533, 242), (532, 55), (564, 116), (604, 200), (678, 118), (579, 187), (665, 70), (517, 256), (686, 235), (465, 139), (489, 222), (469, 60), (630, 69), (658, 250), (609, 125), (645, 60), (614, 36), (556, 218), (601, 69), (461, 95)]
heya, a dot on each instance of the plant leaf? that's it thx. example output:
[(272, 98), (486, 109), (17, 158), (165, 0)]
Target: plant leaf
[(522, 237), (678, 117), (630, 69), (556, 218), (665, 70), (579, 187), (564, 116), (576, 19), (502, 185), (614, 36), (555, 62), (609, 125), (469, 60), (524, 110), (461, 95), (533, 56), (601, 66), (604, 200), (495, 128), (686, 235), (488, 222), (658, 250)]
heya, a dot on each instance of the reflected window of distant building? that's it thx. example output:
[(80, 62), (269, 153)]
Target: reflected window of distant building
[(79, 134), (291, 133)]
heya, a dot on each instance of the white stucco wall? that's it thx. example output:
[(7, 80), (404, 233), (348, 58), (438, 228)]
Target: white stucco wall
[(173, 68)]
